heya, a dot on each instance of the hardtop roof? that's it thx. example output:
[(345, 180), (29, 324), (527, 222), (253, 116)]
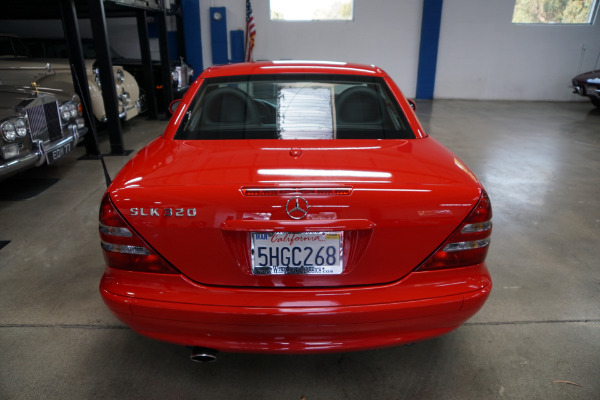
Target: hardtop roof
[(293, 66)]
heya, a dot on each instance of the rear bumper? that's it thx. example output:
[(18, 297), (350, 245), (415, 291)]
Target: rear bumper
[(296, 321)]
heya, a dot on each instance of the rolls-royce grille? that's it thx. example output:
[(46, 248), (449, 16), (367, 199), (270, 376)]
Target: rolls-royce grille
[(183, 76), (44, 122)]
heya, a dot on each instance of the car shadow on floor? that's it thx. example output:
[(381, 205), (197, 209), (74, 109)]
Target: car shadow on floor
[(152, 369)]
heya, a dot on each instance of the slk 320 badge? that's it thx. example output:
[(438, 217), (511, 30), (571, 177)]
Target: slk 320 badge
[(162, 212)]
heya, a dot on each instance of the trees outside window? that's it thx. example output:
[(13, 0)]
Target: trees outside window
[(312, 10), (554, 11)]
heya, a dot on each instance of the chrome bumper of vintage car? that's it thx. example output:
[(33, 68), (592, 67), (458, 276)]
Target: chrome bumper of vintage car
[(140, 103), (586, 91), (51, 152), (126, 106), (44, 152), (11, 166)]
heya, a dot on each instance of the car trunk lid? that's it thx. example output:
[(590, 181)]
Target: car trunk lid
[(206, 206)]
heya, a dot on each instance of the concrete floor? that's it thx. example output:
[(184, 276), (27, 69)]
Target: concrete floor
[(537, 337)]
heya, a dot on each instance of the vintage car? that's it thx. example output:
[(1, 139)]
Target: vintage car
[(588, 84), (294, 207), (54, 76), (181, 73), (35, 128)]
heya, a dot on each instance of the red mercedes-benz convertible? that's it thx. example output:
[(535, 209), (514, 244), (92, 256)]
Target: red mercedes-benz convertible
[(294, 207)]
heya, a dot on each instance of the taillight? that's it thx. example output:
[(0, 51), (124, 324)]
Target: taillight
[(123, 248), (469, 244)]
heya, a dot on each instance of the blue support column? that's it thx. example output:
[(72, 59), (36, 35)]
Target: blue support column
[(172, 40), (428, 52), (237, 46), (218, 35), (193, 39)]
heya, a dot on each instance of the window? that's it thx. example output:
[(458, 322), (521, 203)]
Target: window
[(554, 11), (312, 10), (294, 107)]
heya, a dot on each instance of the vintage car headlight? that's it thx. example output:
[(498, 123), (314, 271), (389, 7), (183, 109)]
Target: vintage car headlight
[(120, 76), (9, 132), (20, 127), (97, 77), (68, 111), (125, 98)]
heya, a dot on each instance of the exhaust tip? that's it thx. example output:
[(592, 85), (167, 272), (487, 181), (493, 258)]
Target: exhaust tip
[(203, 355)]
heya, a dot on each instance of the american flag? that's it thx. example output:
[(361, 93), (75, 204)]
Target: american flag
[(250, 32)]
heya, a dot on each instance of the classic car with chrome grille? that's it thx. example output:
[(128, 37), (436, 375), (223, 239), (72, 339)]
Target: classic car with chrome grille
[(35, 129), (180, 72), (54, 76), (294, 207)]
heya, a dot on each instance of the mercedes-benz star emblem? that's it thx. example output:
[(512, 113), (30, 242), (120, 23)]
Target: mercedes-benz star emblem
[(297, 207)]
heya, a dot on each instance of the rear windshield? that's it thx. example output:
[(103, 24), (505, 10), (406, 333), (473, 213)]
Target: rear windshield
[(294, 107)]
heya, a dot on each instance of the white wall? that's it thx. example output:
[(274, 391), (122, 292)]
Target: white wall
[(385, 33), (483, 55)]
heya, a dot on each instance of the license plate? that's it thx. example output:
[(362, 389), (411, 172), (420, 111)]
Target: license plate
[(57, 153), (289, 253)]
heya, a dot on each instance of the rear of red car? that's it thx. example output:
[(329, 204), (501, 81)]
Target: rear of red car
[(295, 208)]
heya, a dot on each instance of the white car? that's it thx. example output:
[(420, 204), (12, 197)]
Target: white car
[(54, 76)]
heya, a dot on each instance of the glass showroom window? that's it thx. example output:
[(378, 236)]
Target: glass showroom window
[(312, 10), (554, 11)]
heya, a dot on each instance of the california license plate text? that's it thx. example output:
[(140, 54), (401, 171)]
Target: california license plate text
[(297, 253)]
